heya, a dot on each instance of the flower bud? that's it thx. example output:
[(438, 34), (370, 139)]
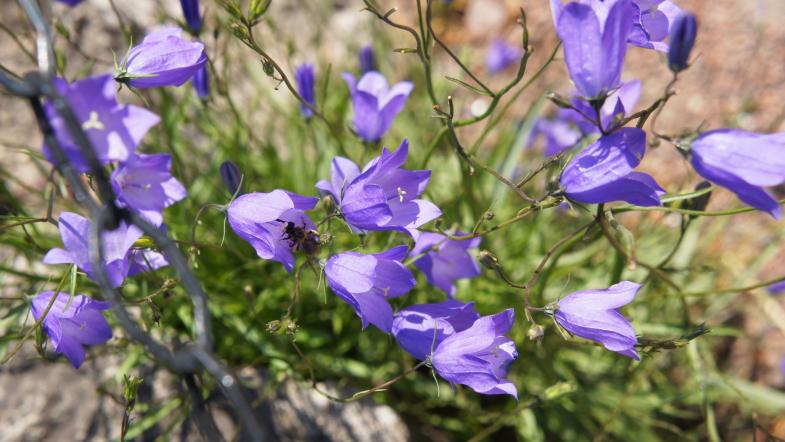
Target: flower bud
[(699, 203), (367, 59), (488, 259), (535, 332), (682, 39), (191, 14), (231, 177)]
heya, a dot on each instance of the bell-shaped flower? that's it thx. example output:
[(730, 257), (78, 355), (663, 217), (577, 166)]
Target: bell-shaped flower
[(501, 55), (366, 281), (479, 356), (743, 162), (419, 329), (682, 39), (594, 315), (162, 59), (305, 76), (201, 83), (444, 260), (383, 196), (375, 104), (145, 184), (275, 224), (595, 44), (603, 171), (75, 233), (72, 323), (114, 130)]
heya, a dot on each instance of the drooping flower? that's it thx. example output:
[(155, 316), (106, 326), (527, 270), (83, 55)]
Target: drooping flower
[(274, 223), (479, 356), (192, 17), (365, 282), (595, 44), (682, 39), (145, 184), (71, 328), (201, 82), (375, 104), (114, 130), (367, 60), (419, 329), (445, 260), (231, 177), (603, 171), (75, 233), (743, 162), (162, 59), (305, 75), (383, 196), (501, 55), (594, 315)]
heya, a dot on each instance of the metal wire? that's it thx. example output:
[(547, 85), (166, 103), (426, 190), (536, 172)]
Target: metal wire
[(191, 358)]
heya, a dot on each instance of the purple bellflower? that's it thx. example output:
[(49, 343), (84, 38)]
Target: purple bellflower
[(595, 44), (419, 329), (367, 60), (144, 183), (444, 260), (479, 356), (201, 83), (113, 129), (71, 328), (743, 162), (266, 221), (305, 76), (375, 104), (594, 315), (75, 233), (192, 17), (500, 56), (383, 196), (162, 59), (682, 39), (365, 282), (603, 171), (777, 288)]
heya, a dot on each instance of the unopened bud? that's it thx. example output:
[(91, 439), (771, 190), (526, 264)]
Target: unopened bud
[(329, 204), (231, 177), (488, 259), (682, 39)]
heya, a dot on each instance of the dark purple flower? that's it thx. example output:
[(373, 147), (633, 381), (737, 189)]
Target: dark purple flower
[(113, 129), (682, 39), (419, 329), (263, 219), (365, 282), (383, 196), (70, 2), (305, 75), (603, 171), (479, 356), (192, 17), (595, 44), (71, 328), (777, 288), (501, 55), (145, 184), (367, 60), (75, 233), (446, 260), (231, 177), (594, 315), (744, 162), (162, 59), (201, 82), (375, 103)]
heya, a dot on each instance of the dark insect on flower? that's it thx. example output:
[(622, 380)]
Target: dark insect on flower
[(301, 238)]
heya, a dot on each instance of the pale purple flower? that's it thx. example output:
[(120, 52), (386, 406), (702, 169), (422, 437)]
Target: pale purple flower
[(375, 104), (162, 59), (71, 328), (366, 282), (743, 162), (603, 171), (479, 356), (594, 315), (383, 196), (262, 220), (501, 55), (419, 329), (595, 44), (446, 260), (144, 183), (682, 39), (114, 130), (305, 76), (75, 233)]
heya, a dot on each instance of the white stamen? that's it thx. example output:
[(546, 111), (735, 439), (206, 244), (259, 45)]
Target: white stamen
[(401, 193), (93, 122)]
